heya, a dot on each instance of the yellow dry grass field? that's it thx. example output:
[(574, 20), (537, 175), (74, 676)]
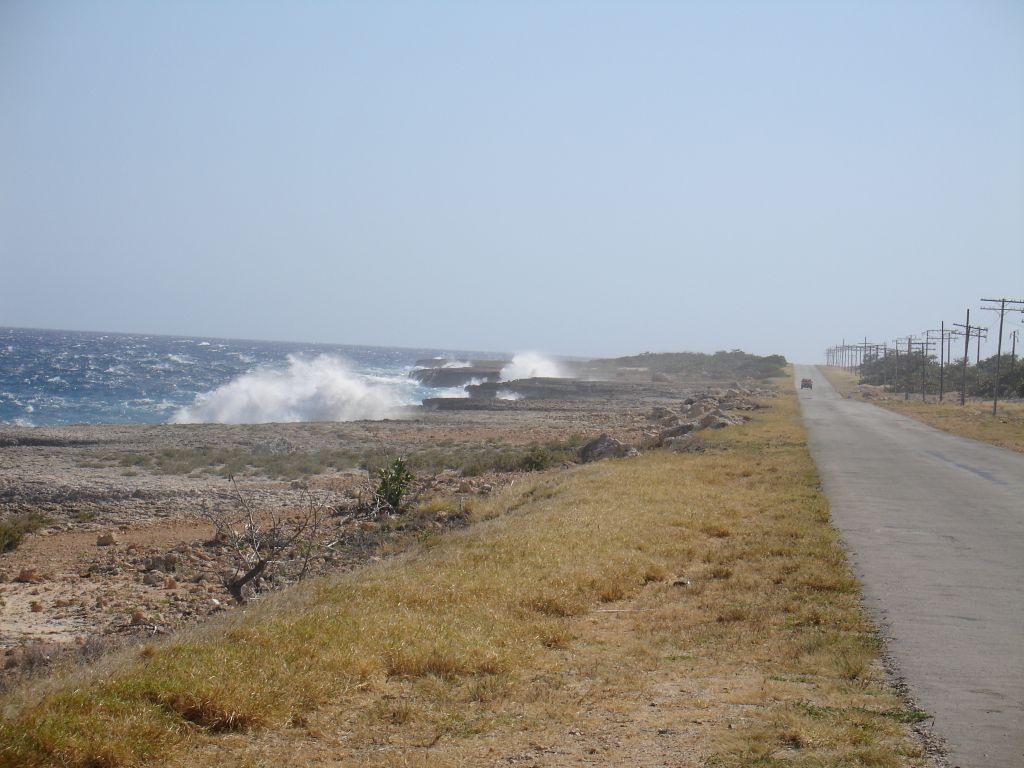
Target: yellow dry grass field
[(688, 609), (973, 420)]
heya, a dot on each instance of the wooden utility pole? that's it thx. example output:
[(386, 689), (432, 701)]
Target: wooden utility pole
[(910, 341), (942, 357), (896, 375), (980, 334), (999, 345), (925, 346), (967, 350), (942, 347)]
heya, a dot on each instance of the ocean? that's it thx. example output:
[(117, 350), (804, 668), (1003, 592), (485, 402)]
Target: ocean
[(72, 377)]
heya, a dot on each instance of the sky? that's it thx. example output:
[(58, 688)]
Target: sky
[(584, 178)]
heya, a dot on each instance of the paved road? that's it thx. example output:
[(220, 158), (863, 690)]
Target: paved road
[(935, 527)]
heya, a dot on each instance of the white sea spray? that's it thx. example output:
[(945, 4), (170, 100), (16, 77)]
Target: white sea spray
[(321, 389), (529, 365)]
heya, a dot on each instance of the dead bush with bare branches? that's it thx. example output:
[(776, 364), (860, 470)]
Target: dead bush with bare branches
[(267, 544)]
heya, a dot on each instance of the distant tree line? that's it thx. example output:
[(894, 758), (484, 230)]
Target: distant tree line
[(917, 373)]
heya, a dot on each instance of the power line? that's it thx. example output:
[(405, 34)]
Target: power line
[(1002, 309)]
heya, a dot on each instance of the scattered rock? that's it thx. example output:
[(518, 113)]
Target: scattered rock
[(605, 447), (152, 579), (715, 420), (682, 429), (659, 412), (106, 539), (165, 563), (691, 443), (29, 576)]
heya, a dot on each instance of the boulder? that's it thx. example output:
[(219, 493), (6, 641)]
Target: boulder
[(714, 422), (106, 539), (29, 576), (605, 447), (660, 412), (682, 429), (165, 563), (691, 443)]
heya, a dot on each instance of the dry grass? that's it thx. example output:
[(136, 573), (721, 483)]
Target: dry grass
[(670, 606), (844, 382), (973, 420)]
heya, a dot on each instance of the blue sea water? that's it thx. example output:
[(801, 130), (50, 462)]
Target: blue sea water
[(70, 377)]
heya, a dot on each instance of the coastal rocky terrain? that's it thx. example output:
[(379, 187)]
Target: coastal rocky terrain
[(133, 531)]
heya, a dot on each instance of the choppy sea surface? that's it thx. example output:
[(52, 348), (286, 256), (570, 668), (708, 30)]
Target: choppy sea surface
[(72, 377)]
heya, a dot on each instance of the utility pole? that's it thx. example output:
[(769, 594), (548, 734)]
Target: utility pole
[(942, 346), (979, 333), (863, 354), (882, 354), (951, 334), (910, 341), (896, 348), (942, 358), (967, 344), (925, 346), (1013, 351), (999, 346)]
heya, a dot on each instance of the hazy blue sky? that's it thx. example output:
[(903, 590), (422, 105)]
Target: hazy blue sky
[(578, 177)]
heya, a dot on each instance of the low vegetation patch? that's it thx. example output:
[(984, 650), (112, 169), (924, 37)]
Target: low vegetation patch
[(666, 602), (469, 460), (15, 528)]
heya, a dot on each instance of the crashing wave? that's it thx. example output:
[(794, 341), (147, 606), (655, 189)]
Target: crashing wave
[(322, 389), (530, 365)]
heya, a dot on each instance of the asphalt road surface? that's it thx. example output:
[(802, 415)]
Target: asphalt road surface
[(935, 528)]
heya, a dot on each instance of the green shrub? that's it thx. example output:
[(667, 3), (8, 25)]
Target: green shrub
[(536, 459), (16, 527), (394, 481)]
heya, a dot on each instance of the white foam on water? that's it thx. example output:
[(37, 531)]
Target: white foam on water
[(321, 389), (529, 365)]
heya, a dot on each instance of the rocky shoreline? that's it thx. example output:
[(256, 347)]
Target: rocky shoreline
[(127, 550)]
